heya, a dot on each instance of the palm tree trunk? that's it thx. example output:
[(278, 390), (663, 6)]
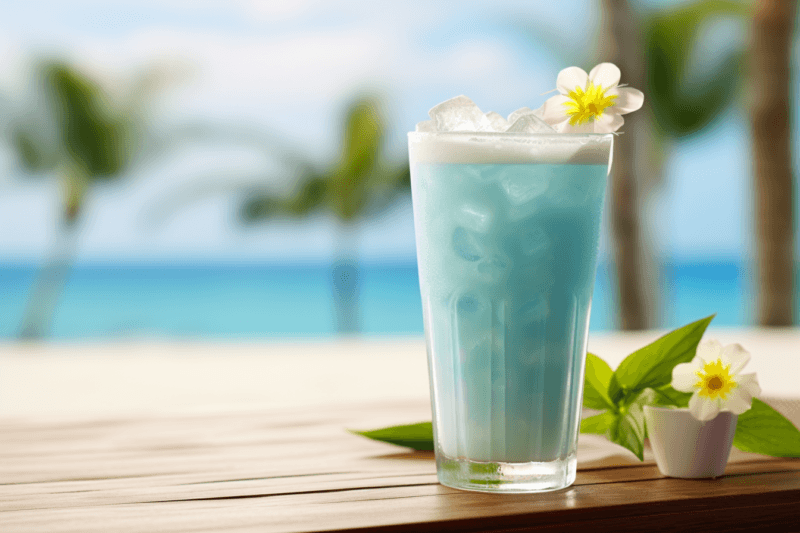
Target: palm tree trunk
[(622, 46), (52, 277), (770, 66), (49, 284), (345, 279)]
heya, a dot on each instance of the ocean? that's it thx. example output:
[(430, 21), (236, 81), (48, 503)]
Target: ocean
[(256, 301)]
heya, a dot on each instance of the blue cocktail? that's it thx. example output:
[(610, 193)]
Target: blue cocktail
[(507, 239)]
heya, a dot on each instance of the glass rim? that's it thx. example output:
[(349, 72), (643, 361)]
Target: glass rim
[(497, 147), (509, 135)]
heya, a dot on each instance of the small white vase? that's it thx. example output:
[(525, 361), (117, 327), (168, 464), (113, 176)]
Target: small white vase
[(684, 447)]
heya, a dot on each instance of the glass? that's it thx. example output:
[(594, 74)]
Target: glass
[(507, 232)]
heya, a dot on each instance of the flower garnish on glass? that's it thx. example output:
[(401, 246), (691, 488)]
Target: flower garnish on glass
[(590, 103), (714, 378)]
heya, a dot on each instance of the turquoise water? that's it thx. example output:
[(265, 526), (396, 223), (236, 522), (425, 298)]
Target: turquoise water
[(205, 301), (507, 256), (212, 301)]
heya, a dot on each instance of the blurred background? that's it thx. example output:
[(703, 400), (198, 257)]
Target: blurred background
[(238, 169)]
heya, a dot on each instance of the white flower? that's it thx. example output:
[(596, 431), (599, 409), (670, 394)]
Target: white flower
[(713, 376), (590, 103)]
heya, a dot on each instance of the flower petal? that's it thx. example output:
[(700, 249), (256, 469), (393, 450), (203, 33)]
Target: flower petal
[(606, 75), (684, 377), (703, 409), (736, 356), (738, 401), (553, 110), (709, 350), (628, 99), (608, 122), (749, 382), (571, 77)]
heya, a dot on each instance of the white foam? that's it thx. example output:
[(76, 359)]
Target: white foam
[(491, 148)]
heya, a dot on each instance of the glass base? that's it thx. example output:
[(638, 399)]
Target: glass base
[(506, 477)]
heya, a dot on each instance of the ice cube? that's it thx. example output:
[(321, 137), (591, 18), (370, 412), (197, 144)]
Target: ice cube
[(481, 173), (521, 188), (535, 310), (512, 118), (530, 123), (459, 114), (472, 317), (426, 126), (572, 191), (492, 269), (533, 241), (466, 244), (478, 395), (470, 305), (475, 217), (536, 274), (498, 122)]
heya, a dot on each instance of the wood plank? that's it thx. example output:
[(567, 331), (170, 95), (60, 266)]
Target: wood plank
[(730, 500), (77, 494), (252, 444), (203, 449), (299, 469)]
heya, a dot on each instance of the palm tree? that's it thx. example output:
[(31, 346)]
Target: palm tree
[(359, 183), (622, 38), (653, 50), (78, 134), (770, 65)]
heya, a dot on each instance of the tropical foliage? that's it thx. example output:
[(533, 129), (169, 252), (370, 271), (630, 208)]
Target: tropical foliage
[(359, 182), (75, 131)]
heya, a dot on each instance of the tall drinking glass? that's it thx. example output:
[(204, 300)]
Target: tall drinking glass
[(507, 241)]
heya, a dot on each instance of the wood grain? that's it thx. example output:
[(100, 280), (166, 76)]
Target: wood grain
[(300, 470)]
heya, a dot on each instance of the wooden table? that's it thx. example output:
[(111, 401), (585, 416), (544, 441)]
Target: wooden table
[(205, 461)]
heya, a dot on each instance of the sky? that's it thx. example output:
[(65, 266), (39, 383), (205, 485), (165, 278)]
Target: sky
[(288, 70)]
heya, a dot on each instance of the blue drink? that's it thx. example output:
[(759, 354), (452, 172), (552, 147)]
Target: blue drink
[(507, 240)]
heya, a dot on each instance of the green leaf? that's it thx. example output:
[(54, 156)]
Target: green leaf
[(595, 384), (260, 207), (357, 170), (91, 134), (598, 424), (628, 430), (35, 153), (667, 396), (416, 436), (683, 102), (762, 429), (402, 178), (362, 135), (310, 196), (651, 366)]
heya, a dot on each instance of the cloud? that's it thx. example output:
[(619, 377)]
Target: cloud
[(293, 79), (271, 10)]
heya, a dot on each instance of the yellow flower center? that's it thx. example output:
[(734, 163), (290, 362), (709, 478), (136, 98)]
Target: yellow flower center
[(587, 105), (715, 380)]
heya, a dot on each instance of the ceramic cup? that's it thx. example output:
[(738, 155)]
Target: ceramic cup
[(684, 447)]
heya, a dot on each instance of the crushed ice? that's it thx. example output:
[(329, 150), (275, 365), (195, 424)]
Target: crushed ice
[(461, 114)]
